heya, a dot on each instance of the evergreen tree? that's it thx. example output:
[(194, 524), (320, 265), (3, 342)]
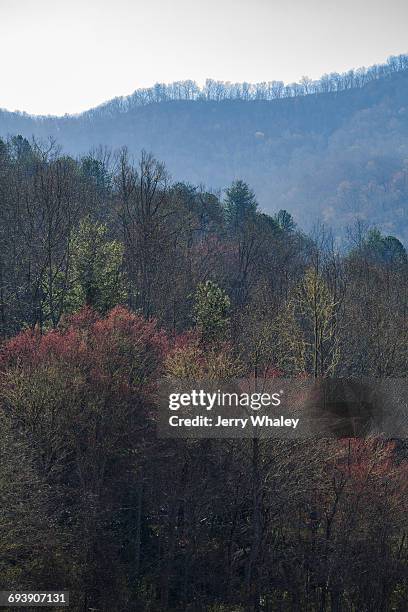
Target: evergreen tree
[(211, 311), (96, 273), (285, 221), (240, 204), (384, 249)]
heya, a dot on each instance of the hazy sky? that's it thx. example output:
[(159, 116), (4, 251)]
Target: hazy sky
[(64, 56)]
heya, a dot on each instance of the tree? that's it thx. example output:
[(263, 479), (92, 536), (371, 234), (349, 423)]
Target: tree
[(144, 199), (77, 404), (317, 311), (285, 221), (96, 273), (240, 204), (384, 249), (211, 311)]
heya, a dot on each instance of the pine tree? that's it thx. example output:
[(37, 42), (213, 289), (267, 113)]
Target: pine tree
[(211, 311)]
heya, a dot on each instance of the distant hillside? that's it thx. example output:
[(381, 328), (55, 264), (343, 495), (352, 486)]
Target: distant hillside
[(335, 149)]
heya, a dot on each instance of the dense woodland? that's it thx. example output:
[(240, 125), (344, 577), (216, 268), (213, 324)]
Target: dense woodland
[(335, 149), (113, 276)]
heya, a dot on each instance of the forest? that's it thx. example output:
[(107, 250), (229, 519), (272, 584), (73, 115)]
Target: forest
[(114, 276)]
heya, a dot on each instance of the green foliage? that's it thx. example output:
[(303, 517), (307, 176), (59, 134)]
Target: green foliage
[(21, 148), (193, 362), (240, 203), (285, 221), (384, 249), (96, 273), (95, 171), (316, 308), (211, 311)]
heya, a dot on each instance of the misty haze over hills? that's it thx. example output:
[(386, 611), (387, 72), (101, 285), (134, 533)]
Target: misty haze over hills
[(334, 150)]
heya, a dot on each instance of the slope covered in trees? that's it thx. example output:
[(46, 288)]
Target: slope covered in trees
[(334, 149), (112, 277), (94, 501)]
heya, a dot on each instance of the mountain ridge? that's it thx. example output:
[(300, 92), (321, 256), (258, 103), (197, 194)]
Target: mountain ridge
[(337, 156), (221, 90)]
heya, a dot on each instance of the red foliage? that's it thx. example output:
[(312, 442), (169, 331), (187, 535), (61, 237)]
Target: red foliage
[(364, 458), (122, 347), (266, 372), (188, 339)]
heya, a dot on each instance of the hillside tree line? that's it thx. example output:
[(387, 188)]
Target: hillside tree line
[(112, 276)]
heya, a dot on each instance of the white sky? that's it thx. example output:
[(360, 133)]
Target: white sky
[(64, 56)]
